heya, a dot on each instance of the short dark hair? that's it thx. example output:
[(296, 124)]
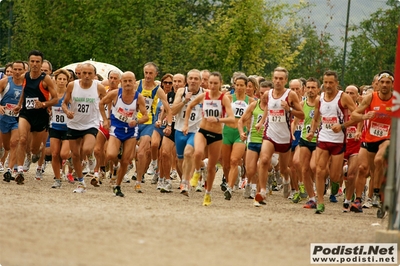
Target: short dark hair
[(36, 53), (312, 79), (17, 62), (331, 73), (267, 84)]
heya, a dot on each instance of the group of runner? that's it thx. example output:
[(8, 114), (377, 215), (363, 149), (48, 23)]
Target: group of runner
[(304, 140)]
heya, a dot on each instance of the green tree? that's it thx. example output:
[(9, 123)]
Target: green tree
[(373, 45)]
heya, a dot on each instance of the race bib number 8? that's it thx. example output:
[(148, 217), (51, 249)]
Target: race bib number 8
[(30, 102), (379, 130), (328, 122)]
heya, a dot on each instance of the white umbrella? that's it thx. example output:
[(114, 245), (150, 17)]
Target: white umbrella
[(101, 68)]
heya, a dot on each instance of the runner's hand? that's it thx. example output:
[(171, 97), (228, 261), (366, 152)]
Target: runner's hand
[(337, 128), (16, 109), (243, 136), (310, 136)]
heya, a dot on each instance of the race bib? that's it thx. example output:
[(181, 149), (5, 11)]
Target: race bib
[(212, 108), (328, 122), (9, 110), (277, 116), (148, 103), (379, 130), (351, 132), (30, 102), (58, 116), (124, 115), (299, 126)]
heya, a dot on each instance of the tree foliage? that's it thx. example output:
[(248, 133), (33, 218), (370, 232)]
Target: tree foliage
[(373, 45), (253, 36)]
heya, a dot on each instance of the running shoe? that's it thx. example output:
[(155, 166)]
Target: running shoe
[(207, 200), (85, 168), (199, 187), (228, 194), (340, 192), (152, 168), (27, 163), (346, 207), (310, 205), (195, 178), (185, 189), (376, 200), (356, 206), (138, 188), (39, 174), (296, 197), (253, 193), (36, 157), (154, 179), (160, 183), (167, 188), (260, 197), (320, 208), (256, 204), (81, 188), (1, 167), (6, 162), (19, 178), (117, 191), (94, 181), (303, 193), (7, 176), (223, 184), (70, 178), (126, 178), (56, 184), (367, 204), (173, 174), (91, 163), (332, 198), (290, 197)]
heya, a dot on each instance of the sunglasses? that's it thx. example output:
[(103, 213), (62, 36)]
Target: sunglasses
[(167, 82)]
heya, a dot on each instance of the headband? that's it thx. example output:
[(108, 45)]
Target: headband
[(385, 75)]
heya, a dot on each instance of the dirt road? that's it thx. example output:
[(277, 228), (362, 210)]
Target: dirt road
[(44, 226)]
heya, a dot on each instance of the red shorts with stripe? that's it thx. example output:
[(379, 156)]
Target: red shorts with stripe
[(105, 132), (332, 148)]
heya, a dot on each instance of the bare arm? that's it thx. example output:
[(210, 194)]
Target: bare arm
[(66, 101), (142, 109), (245, 118), (297, 110), (107, 100), (230, 117), (315, 121), (358, 114), (178, 103)]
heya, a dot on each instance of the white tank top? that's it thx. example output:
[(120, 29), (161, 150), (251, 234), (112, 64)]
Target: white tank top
[(278, 123), (331, 113), (195, 115), (85, 105)]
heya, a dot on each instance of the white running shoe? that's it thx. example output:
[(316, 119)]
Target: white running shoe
[(56, 184), (253, 193), (199, 187), (85, 168), (173, 174), (152, 168), (27, 162), (1, 167), (39, 174), (160, 183), (155, 178), (91, 163), (126, 178), (6, 162), (291, 194), (81, 188), (247, 191), (167, 188)]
